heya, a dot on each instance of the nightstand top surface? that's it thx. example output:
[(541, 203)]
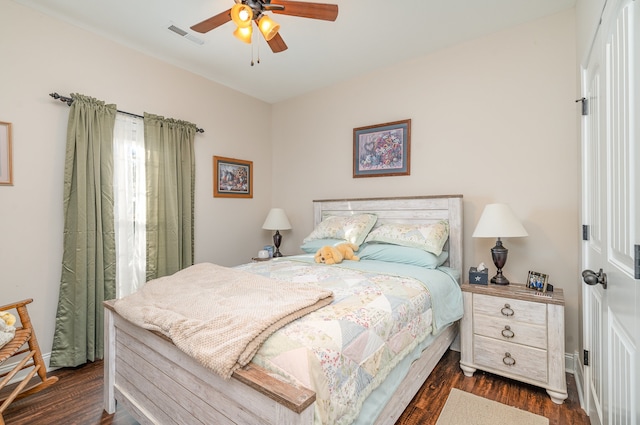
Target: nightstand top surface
[(516, 291)]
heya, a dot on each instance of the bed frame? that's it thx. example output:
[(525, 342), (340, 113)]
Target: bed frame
[(159, 384)]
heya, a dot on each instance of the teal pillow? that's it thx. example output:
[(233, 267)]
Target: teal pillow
[(312, 246), (402, 254)]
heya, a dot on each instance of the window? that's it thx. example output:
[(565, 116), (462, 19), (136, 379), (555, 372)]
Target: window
[(129, 192)]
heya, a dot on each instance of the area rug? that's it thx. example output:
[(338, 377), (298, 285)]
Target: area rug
[(463, 408)]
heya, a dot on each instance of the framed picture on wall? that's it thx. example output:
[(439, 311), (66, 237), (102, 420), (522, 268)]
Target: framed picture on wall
[(232, 178), (382, 150), (6, 171)]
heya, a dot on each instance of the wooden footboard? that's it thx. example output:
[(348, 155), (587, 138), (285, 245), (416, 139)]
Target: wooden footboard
[(159, 384)]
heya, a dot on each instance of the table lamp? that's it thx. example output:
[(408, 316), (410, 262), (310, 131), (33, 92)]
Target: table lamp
[(277, 220), (499, 221)]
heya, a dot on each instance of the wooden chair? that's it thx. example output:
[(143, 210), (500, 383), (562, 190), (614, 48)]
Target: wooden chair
[(28, 356)]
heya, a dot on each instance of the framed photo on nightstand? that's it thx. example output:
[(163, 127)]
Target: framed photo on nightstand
[(537, 281)]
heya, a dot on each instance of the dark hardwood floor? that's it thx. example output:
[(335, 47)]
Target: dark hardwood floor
[(76, 399), (430, 399)]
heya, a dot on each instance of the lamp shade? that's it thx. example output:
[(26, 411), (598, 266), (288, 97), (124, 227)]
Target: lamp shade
[(268, 27), (276, 220), (241, 15), (498, 221), (243, 34)]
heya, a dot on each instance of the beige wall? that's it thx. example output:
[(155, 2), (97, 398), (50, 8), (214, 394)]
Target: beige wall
[(493, 119), (40, 55)]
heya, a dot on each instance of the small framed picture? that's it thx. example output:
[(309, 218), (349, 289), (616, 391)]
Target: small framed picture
[(232, 178), (6, 173), (537, 281), (382, 150)]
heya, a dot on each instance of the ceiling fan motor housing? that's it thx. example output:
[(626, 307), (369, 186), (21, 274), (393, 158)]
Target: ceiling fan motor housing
[(260, 6)]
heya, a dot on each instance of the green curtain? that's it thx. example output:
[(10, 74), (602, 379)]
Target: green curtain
[(88, 263), (170, 172)]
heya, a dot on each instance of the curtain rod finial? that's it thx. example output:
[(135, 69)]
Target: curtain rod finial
[(66, 100)]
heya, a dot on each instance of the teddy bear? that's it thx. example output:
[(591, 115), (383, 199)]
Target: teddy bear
[(8, 318), (335, 254), (7, 330)]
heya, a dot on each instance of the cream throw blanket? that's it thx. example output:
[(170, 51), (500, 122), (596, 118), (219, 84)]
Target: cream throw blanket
[(217, 315), (7, 333)]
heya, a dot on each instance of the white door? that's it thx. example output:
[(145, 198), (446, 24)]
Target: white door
[(610, 207)]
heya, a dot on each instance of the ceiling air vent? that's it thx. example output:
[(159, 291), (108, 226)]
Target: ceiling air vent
[(185, 34)]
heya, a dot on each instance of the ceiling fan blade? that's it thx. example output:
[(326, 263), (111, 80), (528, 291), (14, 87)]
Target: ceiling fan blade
[(326, 12), (213, 22), (277, 44)]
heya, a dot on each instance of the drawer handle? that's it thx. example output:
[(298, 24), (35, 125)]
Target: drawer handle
[(506, 310), (507, 332), (508, 360)]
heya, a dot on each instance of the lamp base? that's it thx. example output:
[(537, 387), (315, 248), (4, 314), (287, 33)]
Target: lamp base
[(499, 279), (277, 239), (499, 256)]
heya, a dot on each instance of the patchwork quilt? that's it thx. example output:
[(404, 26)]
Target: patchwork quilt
[(346, 349)]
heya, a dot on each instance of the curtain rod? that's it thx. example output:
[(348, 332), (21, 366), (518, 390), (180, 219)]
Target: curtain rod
[(69, 101)]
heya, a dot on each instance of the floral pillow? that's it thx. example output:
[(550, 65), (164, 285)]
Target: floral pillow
[(351, 228), (428, 237)]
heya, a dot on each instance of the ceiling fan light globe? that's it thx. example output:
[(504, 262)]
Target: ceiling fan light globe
[(241, 15), (243, 34), (268, 27)]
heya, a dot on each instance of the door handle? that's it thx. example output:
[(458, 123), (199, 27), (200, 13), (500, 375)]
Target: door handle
[(592, 278)]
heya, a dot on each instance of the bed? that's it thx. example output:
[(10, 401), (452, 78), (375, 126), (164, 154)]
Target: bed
[(158, 383)]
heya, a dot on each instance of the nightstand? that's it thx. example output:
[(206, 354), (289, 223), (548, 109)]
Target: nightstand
[(259, 260), (512, 332)]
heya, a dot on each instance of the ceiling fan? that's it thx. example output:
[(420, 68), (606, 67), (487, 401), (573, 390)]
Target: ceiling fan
[(245, 12)]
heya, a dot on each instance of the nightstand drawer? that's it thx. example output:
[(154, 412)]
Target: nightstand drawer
[(510, 309), (504, 329), (511, 359)]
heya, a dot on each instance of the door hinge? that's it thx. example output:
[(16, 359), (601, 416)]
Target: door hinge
[(585, 105), (585, 232), (636, 261), (585, 357)]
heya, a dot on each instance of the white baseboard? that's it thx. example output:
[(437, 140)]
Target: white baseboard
[(570, 362), (455, 345), (573, 365), (579, 377)]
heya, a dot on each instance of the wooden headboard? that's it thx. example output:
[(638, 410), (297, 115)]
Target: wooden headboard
[(415, 209)]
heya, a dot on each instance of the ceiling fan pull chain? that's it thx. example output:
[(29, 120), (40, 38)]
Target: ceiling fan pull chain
[(251, 52), (258, 60)]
